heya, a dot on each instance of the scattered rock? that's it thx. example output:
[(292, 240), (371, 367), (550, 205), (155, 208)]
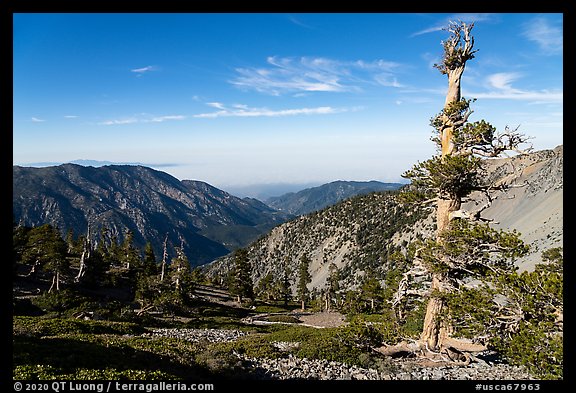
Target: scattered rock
[(292, 367), (197, 335)]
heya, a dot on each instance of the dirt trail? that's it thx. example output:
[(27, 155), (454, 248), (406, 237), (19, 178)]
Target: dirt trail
[(323, 319)]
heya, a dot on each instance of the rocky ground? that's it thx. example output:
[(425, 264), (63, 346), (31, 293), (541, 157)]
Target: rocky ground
[(198, 335), (291, 367)]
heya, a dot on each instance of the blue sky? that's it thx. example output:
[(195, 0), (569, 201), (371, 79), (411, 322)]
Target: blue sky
[(240, 99)]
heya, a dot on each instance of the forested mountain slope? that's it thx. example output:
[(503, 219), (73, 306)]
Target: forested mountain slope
[(364, 234), (150, 203), (317, 198)]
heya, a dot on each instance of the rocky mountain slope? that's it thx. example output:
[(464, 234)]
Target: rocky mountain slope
[(150, 203), (361, 234), (317, 198), (534, 206), (357, 235)]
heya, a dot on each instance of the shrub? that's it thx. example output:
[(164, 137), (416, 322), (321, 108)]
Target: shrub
[(40, 327), (58, 301)]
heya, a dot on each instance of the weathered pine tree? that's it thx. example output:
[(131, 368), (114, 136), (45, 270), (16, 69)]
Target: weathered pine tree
[(129, 254), (464, 246), (84, 256), (180, 271), (164, 259)]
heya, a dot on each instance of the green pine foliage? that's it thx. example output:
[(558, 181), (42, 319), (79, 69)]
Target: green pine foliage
[(45, 249), (240, 279), (46, 259), (304, 279), (473, 249), (520, 315), (445, 176), (532, 333)]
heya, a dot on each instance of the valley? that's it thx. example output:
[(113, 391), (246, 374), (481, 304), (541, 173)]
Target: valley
[(154, 206)]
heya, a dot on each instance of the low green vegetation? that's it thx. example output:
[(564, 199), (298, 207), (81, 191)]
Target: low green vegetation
[(59, 348), (75, 330), (63, 348)]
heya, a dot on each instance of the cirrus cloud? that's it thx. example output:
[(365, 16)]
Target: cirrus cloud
[(499, 86), (545, 34), (240, 110), (443, 24), (315, 74), (142, 118), (144, 70)]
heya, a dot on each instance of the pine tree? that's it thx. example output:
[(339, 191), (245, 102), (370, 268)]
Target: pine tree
[(333, 287), (108, 247), (70, 240), (129, 255), (130, 262), (265, 287), (531, 323), (304, 278), (465, 246), (19, 241), (241, 280), (150, 265), (148, 286), (371, 290), (180, 272), (45, 248), (95, 270), (284, 282)]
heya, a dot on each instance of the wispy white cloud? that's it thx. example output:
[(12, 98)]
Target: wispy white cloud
[(37, 120), (545, 34), (499, 86), (161, 119), (503, 80), (142, 118), (216, 105), (129, 120), (70, 117), (143, 70), (240, 110), (314, 74), (299, 22), (442, 24), (388, 80)]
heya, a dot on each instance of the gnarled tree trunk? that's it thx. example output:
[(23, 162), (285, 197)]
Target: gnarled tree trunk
[(435, 330)]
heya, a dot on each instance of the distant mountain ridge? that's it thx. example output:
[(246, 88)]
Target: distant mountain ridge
[(360, 235), (148, 202), (94, 163), (317, 198), (152, 204)]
